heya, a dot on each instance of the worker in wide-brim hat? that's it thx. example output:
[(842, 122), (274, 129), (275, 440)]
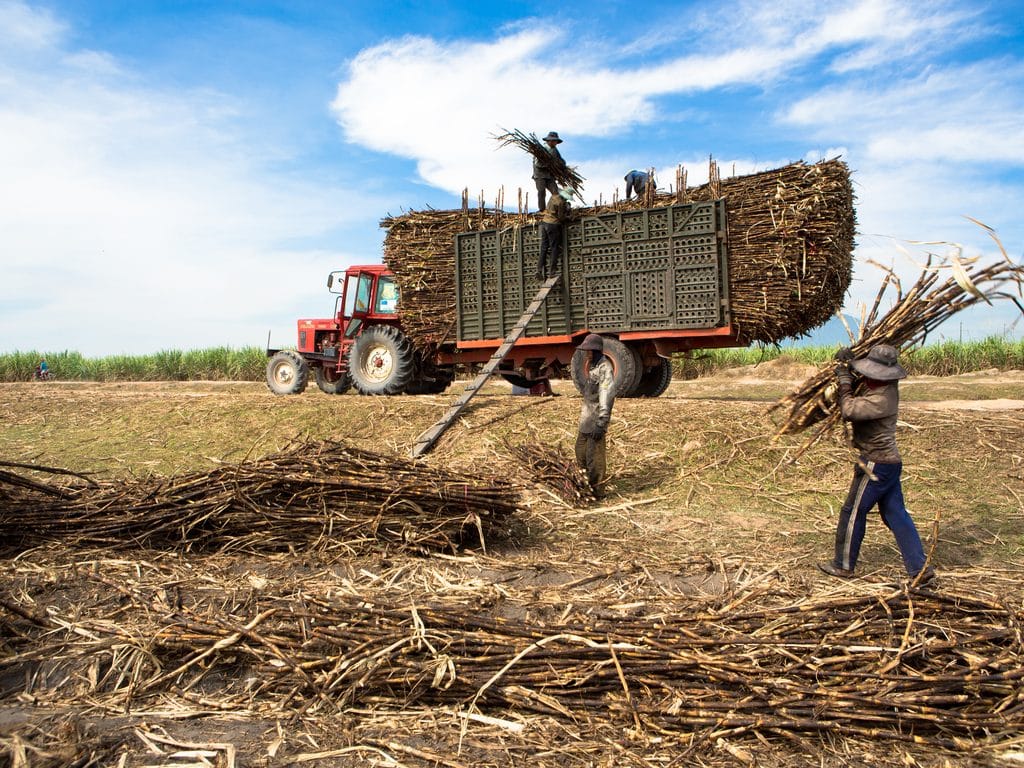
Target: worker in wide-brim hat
[(598, 390), (876, 478), (541, 175)]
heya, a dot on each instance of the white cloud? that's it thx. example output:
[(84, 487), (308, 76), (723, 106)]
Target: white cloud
[(134, 218), (437, 103), (27, 29), (955, 114)]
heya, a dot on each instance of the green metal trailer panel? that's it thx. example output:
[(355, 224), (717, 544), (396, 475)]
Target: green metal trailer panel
[(651, 269)]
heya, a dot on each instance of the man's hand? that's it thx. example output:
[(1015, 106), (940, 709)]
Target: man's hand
[(844, 355)]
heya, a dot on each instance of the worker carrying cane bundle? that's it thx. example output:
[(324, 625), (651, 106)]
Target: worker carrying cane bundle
[(876, 478)]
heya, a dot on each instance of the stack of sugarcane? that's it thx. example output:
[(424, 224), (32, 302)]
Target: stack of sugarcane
[(420, 250), (936, 668), (322, 495), (929, 303), (790, 249), (551, 467)]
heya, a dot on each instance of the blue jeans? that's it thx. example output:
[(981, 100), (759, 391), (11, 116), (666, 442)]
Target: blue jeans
[(886, 492)]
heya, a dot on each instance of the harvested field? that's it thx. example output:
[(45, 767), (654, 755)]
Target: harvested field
[(678, 621)]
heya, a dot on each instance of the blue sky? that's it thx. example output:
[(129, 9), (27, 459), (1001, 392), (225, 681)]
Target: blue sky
[(179, 175)]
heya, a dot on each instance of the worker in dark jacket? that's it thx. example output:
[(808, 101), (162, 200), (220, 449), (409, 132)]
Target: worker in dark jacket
[(876, 478), (541, 175), (551, 221), (598, 397), (638, 181)]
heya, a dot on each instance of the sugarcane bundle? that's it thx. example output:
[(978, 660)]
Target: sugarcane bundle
[(790, 251), (553, 468), (322, 494), (930, 302), (556, 168)]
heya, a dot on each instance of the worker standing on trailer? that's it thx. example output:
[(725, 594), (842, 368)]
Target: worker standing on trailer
[(598, 397), (637, 181), (541, 175), (555, 214), (876, 478)]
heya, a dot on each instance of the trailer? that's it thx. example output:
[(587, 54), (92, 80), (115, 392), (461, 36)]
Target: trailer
[(652, 281)]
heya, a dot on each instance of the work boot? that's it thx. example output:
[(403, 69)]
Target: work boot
[(925, 577), (834, 570)]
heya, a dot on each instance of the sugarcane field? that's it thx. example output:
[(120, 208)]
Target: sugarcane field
[(410, 564)]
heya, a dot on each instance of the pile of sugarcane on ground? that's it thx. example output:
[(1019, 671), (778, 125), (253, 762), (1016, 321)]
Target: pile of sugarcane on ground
[(942, 669), (912, 317), (320, 494), (790, 248), (554, 468)]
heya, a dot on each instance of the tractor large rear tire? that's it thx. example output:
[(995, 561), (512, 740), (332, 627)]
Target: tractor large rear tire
[(624, 364), (331, 382), (381, 361), (654, 381), (287, 373)]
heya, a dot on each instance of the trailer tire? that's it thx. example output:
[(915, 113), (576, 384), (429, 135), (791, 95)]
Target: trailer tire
[(381, 361), (287, 373), (331, 382), (624, 363), (654, 381)]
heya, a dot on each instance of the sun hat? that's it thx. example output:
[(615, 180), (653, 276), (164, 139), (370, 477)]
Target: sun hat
[(593, 342), (880, 364), (553, 136), (566, 193)]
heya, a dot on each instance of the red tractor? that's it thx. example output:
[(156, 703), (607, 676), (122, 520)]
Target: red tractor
[(362, 346)]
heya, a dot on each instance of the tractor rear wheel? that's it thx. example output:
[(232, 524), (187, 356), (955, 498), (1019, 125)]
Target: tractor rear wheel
[(381, 361), (332, 382), (654, 381), (624, 364), (287, 373)]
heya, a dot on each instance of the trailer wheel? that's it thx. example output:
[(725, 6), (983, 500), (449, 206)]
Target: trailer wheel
[(381, 361), (287, 373), (624, 363), (331, 382), (654, 381)]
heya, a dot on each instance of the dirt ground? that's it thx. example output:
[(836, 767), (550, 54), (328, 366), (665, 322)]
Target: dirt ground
[(702, 504)]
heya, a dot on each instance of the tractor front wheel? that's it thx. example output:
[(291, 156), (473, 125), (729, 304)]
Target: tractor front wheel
[(287, 373), (381, 361), (332, 382)]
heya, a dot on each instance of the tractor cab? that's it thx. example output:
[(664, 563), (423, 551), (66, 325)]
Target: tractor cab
[(365, 294)]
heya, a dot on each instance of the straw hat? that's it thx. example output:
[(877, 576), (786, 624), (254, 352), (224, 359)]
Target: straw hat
[(880, 364)]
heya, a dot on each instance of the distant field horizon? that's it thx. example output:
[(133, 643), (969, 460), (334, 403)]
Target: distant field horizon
[(249, 363)]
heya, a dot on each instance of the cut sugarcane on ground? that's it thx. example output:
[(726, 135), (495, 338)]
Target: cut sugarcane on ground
[(694, 577)]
